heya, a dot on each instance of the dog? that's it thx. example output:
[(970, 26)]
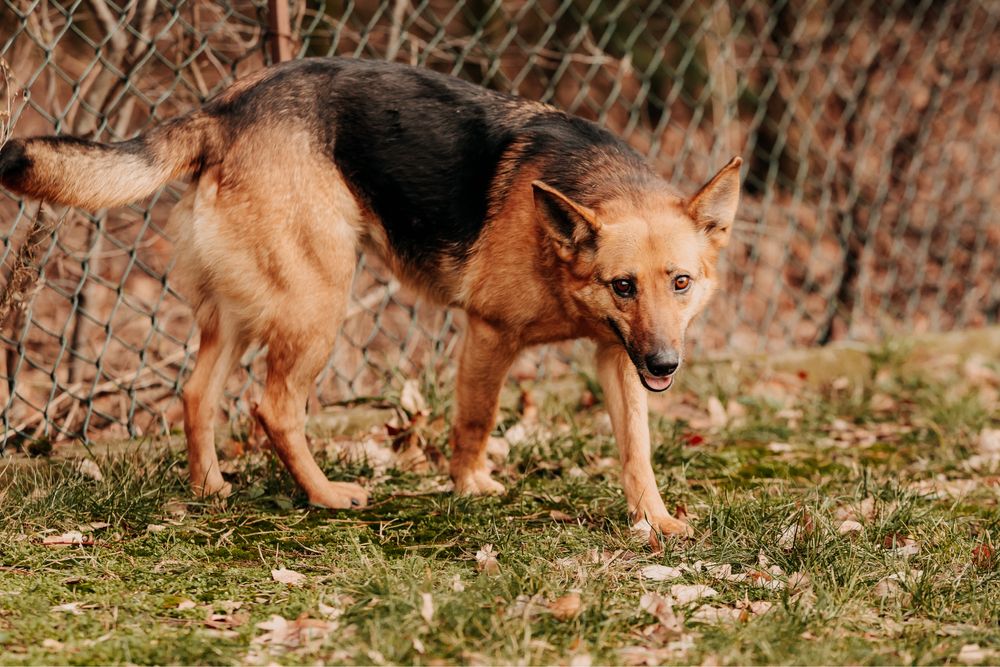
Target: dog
[(540, 225)]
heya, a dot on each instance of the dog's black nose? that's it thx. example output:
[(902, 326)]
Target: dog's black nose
[(663, 363)]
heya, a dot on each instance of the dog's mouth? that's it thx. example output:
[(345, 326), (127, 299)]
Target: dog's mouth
[(654, 383)]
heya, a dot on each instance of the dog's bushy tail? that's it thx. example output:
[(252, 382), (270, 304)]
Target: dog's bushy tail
[(91, 175)]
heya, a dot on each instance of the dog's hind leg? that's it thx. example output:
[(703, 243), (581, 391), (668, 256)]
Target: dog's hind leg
[(294, 358), (626, 402), (220, 348), (485, 359)]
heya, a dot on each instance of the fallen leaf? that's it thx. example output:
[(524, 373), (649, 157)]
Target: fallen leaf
[(427, 607), (329, 611), (155, 528), (486, 561), (989, 441), (787, 538), (88, 468), (456, 584), (973, 654), (418, 645), (717, 416), (798, 582), (984, 557), (901, 545), (641, 530), (712, 615), (281, 633), (290, 577), (847, 527), (684, 593), (892, 585), (660, 572), (662, 608), (566, 607), (557, 515), (186, 604)]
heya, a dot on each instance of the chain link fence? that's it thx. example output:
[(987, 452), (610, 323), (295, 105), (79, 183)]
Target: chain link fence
[(870, 130)]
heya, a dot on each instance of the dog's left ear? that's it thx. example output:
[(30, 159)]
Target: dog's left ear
[(714, 207), (572, 227)]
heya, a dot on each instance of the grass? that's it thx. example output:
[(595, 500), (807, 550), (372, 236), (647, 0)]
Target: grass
[(171, 580)]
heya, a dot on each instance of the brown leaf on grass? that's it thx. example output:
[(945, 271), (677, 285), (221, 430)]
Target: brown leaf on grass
[(558, 515), (660, 572), (226, 621), (717, 416), (662, 608), (290, 577), (987, 449), (684, 593), (73, 537), (566, 607), (643, 655), (866, 510), (849, 527), (900, 544), (486, 561), (722, 614), (974, 654), (88, 468), (942, 487), (984, 557), (281, 633), (892, 586)]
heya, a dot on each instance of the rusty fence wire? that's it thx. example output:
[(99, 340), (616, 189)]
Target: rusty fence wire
[(870, 130)]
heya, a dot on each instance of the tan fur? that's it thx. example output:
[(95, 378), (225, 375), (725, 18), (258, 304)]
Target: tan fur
[(94, 178)]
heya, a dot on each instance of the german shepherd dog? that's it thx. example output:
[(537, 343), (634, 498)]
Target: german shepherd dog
[(541, 226)]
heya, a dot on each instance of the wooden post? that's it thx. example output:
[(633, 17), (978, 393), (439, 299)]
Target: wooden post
[(279, 31)]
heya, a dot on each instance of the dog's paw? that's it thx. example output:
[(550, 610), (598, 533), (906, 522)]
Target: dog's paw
[(477, 483), (212, 488), (339, 496), (668, 525)]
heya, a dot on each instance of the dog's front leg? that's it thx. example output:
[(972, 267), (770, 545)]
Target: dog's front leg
[(485, 359), (626, 403)]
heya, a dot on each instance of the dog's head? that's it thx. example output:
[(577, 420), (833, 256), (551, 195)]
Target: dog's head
[(643, 265)]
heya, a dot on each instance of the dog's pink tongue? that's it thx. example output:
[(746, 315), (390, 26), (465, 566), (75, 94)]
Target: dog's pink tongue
[(658, 384)]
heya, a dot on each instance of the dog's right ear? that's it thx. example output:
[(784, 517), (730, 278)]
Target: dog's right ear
[(572, 227)]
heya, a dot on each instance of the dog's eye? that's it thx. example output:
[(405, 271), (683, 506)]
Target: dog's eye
[(682, 283), (623, 287)]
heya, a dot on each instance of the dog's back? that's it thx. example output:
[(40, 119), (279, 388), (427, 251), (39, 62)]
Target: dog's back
[(427, 155)]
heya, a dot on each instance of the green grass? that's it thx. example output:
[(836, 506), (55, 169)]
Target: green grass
[(195, 588)]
